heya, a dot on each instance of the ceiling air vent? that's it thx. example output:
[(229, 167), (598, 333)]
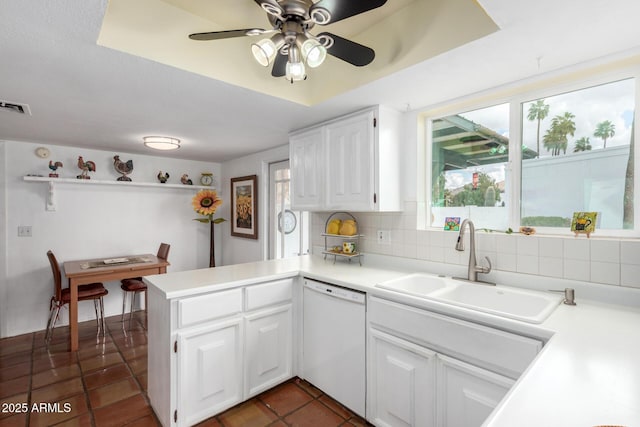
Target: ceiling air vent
[(14, 107)]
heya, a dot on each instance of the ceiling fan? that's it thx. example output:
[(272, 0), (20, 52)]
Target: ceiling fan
[(292, 45)]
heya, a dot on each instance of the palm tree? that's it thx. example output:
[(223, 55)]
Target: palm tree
[(552, 140), (556, 137), (627, 218), (605, 130), (583, 144), (538, 111)]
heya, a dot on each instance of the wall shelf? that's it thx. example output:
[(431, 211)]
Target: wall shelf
[(51, 206)]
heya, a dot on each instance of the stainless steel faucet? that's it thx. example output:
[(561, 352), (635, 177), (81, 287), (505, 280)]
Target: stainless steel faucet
[(473, 269)]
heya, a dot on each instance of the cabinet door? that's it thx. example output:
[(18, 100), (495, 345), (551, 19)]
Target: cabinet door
[(467, 394), (268, 349), (350, 163), (401, 387), (306, 156), (209, 370)]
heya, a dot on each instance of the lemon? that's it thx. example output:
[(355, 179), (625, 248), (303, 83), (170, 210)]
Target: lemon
[(348, 228), (334, 226)]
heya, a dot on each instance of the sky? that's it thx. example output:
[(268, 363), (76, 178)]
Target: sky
[(612, 101)]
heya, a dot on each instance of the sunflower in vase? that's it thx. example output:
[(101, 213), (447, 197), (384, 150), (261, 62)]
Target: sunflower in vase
[(206, 202)]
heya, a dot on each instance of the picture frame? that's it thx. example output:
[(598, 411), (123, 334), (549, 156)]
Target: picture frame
[(244, 207), (452, 223), (584, 223)]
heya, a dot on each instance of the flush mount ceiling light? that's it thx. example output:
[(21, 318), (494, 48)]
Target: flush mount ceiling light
[(293, 45), (161, 142)]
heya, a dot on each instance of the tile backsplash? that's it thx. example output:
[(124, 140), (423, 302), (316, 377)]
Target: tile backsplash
[(610, 261)]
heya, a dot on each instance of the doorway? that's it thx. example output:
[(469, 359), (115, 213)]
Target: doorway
[(288, 229)]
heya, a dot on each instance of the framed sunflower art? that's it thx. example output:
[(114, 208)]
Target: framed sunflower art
[(244, 207)]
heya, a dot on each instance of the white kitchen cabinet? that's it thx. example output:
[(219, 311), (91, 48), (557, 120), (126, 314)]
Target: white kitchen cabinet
[(209, 369), (467, 394), (210, 351), (306, 159), (269, 349), (440, 370), (351, 156), (356, 166), (401, 382)]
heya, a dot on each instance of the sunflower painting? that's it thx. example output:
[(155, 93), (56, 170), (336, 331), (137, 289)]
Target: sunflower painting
[(206, 202), (244, 220)]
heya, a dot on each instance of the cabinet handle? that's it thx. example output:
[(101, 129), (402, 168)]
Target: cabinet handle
[(175, 346)]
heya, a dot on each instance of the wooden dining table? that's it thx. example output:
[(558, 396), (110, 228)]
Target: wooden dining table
[(82, 272)]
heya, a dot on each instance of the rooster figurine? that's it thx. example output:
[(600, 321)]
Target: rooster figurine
[(86, 167), (163, 177), (54, 167), (124, 168), (185, 180)]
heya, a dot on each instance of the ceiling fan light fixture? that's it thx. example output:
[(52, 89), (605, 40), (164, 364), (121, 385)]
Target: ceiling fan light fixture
[(313, 52), (295, 70), (264, 51), (161, 142)]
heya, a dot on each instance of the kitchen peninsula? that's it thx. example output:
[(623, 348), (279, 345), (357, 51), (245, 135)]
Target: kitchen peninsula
[(586, 373)]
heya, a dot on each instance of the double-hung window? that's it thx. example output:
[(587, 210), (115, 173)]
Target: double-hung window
[(536, 158)]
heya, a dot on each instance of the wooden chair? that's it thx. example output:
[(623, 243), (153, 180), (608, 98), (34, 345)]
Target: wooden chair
[(136, 285), (92, 291)]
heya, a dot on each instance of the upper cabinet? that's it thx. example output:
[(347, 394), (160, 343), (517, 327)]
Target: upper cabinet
[(351, 163), (306, 159)]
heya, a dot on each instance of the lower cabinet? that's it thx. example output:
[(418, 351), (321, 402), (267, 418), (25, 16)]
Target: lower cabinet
[(209, 369), (269, 349), (412, 385), (467, 394), (226, 347), (401, 382), (414, 378)]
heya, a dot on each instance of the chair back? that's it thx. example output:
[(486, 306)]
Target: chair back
[(163, 251), (57, 277)]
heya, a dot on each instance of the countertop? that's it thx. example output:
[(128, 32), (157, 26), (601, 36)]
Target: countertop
[(587, 374)]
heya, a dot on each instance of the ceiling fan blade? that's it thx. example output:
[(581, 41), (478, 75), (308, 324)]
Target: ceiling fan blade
[(280, 65), (342, 9), (347, 50), (219, 35)]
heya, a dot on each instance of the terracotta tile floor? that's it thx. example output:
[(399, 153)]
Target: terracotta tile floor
[(104, 384)]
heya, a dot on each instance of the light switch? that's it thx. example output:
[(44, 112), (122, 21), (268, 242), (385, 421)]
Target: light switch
[(24, 231)]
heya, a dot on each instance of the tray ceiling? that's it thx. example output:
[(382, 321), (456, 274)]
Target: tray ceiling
[(402, 32)]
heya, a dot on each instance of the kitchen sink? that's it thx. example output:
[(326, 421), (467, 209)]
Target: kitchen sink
[(418, 284), (519, 304), (528, 306)]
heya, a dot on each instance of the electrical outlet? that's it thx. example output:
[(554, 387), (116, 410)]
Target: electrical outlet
[(24, 231), (384, 237)]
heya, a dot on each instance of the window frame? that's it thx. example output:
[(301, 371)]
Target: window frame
[(516, 95)]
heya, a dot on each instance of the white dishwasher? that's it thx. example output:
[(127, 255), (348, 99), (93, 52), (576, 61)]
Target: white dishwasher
[(334, 342)]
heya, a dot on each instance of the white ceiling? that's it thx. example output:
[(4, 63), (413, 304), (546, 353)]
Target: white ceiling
[(85, 95)]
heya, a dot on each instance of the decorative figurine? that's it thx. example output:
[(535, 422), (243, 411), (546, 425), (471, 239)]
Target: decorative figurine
[(123, 168), (54, 166), (86, 167), (163, 177), (185, 180)]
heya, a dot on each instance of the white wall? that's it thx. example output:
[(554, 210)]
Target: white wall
[(3, 239), (90, 221), (237, 250)]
